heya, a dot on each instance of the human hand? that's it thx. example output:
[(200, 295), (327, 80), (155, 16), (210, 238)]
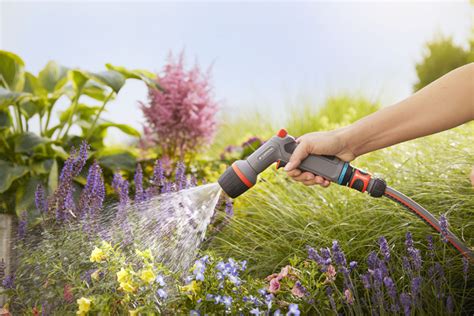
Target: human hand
[(330, 143)]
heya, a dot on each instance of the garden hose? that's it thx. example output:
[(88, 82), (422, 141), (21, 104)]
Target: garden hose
[(242, 175)]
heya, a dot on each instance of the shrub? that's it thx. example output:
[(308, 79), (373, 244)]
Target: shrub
[(180, 119), (28, 158)]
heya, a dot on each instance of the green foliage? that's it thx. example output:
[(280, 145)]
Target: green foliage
[(336, 111), (440, 57), (29, 157)]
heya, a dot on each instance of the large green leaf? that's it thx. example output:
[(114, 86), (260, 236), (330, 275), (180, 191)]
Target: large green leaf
[(127, 129), (9, 173), (53, 76), (82, 111), (118, 160), (110, 78), (33, 85), (78, 78), (95, 91), (142, 75), (25, 195), (26, 142), (42, 167), (11, 71)]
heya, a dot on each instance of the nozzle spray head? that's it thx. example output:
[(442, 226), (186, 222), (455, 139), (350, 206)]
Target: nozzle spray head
[(238, 178)]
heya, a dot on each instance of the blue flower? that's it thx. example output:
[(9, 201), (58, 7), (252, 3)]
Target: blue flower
[(217, 299), (160, 280), (293, 310), (194, 313), (262, 291), (353, 265), (209, 297), (277, 313), (255, 311), (161, 293), (227, 301)]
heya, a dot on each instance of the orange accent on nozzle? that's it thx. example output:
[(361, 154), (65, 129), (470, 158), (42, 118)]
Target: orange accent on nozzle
[(277, 164), (241, 176), (360, 176), (282, 133)]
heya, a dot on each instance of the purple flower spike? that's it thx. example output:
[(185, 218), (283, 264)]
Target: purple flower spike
[(443, 223), (80, 161), (229, 208), (416, 287), (430, 246), (338, 254), (409, 240), (353, 265), (120, 186), (384, 248), (158, 178), (9, 282), (22, 225), (405, 300), (449, 304), (180, 179), (139, 193), (40, 199)]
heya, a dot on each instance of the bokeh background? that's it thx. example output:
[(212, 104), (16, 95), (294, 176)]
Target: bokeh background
[(264, 55)]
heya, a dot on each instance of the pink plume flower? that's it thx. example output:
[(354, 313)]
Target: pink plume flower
[(274, 285), (182, 118)]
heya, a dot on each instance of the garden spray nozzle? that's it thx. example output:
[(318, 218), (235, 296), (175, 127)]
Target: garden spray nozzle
[(242, 175)]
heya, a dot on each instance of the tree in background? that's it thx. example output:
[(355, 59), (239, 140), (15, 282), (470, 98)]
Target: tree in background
[(441, 56)]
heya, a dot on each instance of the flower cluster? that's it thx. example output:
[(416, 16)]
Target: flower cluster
[(181, 117)]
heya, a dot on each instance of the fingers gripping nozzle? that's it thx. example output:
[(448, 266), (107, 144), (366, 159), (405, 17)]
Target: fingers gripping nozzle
[(242, 175)]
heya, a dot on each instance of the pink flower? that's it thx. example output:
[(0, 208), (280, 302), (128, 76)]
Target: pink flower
[(271, 276), (284, 272), (298, 290), (181, 118), (274, 285), (349, 297), (330, 273)]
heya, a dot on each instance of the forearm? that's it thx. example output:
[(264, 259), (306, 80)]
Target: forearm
[(444, 104)]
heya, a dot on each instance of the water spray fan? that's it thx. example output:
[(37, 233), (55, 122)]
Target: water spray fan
[(242, 175)]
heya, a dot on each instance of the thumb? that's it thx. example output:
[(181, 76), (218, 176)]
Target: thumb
[(298, 155)]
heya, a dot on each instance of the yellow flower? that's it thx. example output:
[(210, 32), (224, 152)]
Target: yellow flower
[(127, 287), (192, 287), (97, 255), (95, 275), (145, 254), (84, 306), (133, 312), (147, 275), (123, 276)]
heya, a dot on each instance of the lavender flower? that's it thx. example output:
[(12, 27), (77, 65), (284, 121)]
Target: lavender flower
[(430, 246), (314, 255), (443, 223), (160, 280), (339, 257), (22, 225), (138, 179), (180, 177), (2, 269), (416, 287), (391, 289), (158, 178), (365, 278), (405, 300), (40, 199), (465, 267), (229, 208), (331, 299), (9, 282), (408, 240), (384, 248), (93, 194), (449, 304), (162, 294), (80, 161), (120, 186), (227, 301), (353, 265), (372, 260)]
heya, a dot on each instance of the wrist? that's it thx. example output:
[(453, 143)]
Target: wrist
[(346, 137)]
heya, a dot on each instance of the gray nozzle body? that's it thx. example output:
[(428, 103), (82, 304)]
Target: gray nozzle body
[(242, 175)]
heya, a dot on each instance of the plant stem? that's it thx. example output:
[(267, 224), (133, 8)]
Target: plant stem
[(18, 117), (49, 116), (69, 120), (91, 129)]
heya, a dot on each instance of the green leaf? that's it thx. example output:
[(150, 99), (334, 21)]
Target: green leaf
[(119, 160), (27, 142), (127, 129), (25, 195), (5, 120), (78, 78), (33, 85), (42, 167), (53, 76), (9, 173), (53, 177), (83, 112), (95, 91), (29, 108), (142, 75), (11, 71), (110, 78)]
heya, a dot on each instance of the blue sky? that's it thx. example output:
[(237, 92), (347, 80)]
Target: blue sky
[(265, 55)]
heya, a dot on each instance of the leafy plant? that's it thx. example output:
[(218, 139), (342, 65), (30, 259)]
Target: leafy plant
[(31, 155)]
